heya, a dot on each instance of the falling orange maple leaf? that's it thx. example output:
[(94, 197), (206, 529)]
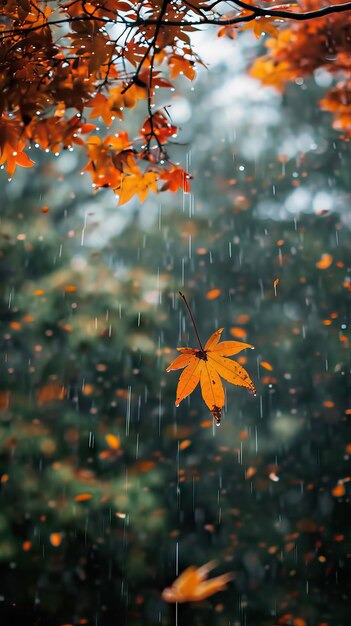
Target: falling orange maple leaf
[(191, 585), (206, 366)]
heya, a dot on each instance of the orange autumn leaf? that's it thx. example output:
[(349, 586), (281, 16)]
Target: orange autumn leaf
[(184, 444), (176, 178), (192, 586), (180, 65), (207, 366), (82, 497), (12, 158), (142, 467), (213, 294), (324, 262), (112, 441), (339, 490), (250, 472), (262, 26), (137, 183), (238, 332), (158, 127), (50, 393), (4, 400), (56, 539), (266, 366)]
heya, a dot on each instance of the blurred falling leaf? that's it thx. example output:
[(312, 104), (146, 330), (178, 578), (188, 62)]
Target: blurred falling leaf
[(266, 365), (324, 262), (4, 400), (50, 392), (191, 585), (213, 294), (184, 444), (240, 333), (82, 497), (56, 539), (141, 467), (112, 441), (339, 490)]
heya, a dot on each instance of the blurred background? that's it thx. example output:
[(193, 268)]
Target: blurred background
[(108, 491)]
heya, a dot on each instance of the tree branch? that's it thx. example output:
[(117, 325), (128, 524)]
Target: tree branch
[(214, 21)]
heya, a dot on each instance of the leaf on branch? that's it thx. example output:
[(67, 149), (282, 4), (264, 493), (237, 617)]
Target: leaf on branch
[(262, 26), (11, 149), (176, 178), (179, 65), (137, 183), (158, 127), (119, 98)]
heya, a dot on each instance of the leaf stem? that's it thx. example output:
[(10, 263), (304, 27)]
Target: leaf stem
[(192, 319)]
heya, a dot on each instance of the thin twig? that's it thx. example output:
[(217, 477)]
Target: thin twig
[(192, 319)]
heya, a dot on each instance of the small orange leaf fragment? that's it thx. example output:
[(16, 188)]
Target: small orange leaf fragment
[(307, 525), (242, 319), (184, 444), (213, 294), (112, 441), (266, 366), (298, 621), (15, 325), (144, 466), (88, 390), (50, 393), (28, 319), (56, 539), (250, 472), (329, 404), (82, 497), (206, 424), (339, 490), (4, 400), (240, 333), (324, 262)]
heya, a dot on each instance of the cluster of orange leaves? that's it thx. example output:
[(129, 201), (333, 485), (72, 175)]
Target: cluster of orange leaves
[(300, 48), (63, 68), (55, 84)]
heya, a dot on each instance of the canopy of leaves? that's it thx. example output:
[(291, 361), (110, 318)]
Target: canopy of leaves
[(67, 65)]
